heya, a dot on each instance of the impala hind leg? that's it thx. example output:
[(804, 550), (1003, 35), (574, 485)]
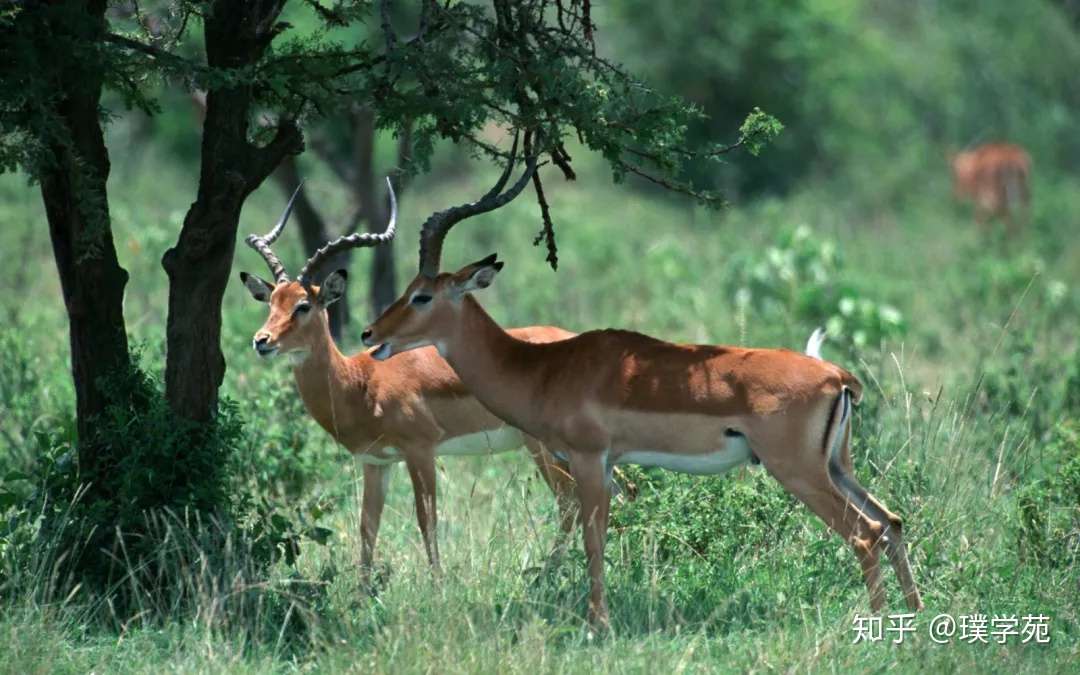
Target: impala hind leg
[(808, 474), (861, 532), (422, 472), (376, 478), (892, 534)]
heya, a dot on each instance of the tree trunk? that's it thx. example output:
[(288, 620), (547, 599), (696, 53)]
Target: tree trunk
[(76, 206), (375, 210), (357, 173), (231, 168), (314, 234)]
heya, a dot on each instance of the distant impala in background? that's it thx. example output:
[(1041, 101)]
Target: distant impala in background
[(995, 177)]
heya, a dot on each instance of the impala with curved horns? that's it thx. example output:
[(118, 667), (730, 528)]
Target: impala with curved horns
[(612, 397), (410, 410)]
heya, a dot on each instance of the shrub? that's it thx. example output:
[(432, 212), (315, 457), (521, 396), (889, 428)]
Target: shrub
[(162, 495), (801, 276), (712, 517), (1048, 527)]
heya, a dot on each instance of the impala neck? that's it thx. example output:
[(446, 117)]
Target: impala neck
[(322, 366), (487, 359)]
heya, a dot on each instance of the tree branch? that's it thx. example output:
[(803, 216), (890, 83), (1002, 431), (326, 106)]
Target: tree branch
[(547, 232), (562, 159), (288, 140), (387, 27), (153, 52), (702, 196)]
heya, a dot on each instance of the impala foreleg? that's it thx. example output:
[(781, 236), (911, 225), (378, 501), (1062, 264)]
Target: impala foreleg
[(589, 472), (375, 484), (422, 472)]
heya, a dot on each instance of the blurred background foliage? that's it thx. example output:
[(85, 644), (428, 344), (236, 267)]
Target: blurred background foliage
[(872, 94)]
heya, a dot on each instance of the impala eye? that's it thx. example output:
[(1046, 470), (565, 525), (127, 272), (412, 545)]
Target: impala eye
[(302, 308), (421, 299)]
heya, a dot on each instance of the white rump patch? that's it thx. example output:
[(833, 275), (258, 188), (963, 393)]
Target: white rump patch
[(813, 345)]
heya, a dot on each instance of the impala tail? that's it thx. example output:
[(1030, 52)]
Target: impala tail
[(813, 345), (851, 383)]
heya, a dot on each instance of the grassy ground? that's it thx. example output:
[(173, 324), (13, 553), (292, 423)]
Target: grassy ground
[(970, 416)]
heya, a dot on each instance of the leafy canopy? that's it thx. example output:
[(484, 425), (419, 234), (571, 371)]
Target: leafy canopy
[(460, 67)]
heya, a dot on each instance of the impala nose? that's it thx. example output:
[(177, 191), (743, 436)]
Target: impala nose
[(365, 336), (261, 343)]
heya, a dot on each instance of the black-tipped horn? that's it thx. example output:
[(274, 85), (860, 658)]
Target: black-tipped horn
[(355, 240), (438, 224), (262, 244)]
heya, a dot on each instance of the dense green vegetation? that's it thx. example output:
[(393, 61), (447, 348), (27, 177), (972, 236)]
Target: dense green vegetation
[(967, 344)]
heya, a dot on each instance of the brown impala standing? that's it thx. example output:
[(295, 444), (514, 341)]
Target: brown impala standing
[(995, 177), (410, 410), (612, 397)]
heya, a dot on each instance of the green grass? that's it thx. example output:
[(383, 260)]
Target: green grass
[(968, 410)]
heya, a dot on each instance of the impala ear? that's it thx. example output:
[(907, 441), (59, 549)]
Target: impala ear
[(478, 275), (332, 288), (259, 289)]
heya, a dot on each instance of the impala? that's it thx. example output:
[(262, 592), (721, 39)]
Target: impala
[(411, 409), (995, 177), (611, 397)]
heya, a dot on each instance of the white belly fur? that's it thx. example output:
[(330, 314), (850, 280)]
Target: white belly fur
[(389, 456), (503, 439), (735, 452)]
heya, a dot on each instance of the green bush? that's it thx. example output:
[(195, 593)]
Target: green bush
[(27, 402), (1048, 529), (159, 494), (711, 518), (801, 276)]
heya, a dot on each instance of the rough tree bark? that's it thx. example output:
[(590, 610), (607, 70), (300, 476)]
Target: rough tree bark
[(76, 206), (357, 173), (236, 35), (375, 209)]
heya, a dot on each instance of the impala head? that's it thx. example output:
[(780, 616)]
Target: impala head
[(298, 308), (297, 312), (429, 309)]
